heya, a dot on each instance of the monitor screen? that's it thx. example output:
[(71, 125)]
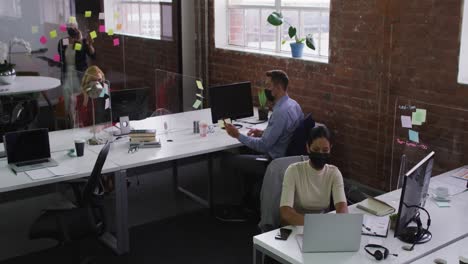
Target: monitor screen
[(129, 102), (414, 192), (231, 101), (27, 145)]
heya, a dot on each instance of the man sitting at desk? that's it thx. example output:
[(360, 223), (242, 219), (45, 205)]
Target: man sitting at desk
[(273, 141), (307, 185)]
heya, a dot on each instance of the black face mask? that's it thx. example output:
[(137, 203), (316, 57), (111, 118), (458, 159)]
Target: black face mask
[(319, 160), (269, 95)]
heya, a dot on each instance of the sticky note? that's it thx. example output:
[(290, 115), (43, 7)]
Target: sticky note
[(43, 40), (102, 28), (53, 34), (72, 19), (406, 122), (63, 28), (443, 204), (65, 41), (413, 136), (199, 84), (415, 120), (197, 104), (116, 15), (93, 34), (78, 46), (101, 16), (88, 13), (108, 105), (199, 95), (110, 32), (119, 26), (421, 114), (34, 29), (116, 42), (57, 58)]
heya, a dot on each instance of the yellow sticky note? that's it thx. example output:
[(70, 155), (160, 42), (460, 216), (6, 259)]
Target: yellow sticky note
[(78, 46), (72, 20), (197, 104), (88, 13), (53, 34), (221, 122), (34, 29), (119, 26), (199, 85), (110, 32), (93, 34), (116, 15)]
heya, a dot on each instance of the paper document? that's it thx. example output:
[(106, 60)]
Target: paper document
[(375, 225), (454, 185), (40, 174), (62, 170)]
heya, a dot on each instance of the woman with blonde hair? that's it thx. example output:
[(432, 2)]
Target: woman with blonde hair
[(92, 85)]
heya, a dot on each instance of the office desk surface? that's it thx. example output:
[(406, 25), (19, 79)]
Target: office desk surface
[(448, 225), (83, 166), (449, 253)]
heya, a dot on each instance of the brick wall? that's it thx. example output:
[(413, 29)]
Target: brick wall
[(379, 50)]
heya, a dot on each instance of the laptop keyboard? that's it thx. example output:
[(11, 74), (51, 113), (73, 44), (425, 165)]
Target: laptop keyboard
[(27, 163)]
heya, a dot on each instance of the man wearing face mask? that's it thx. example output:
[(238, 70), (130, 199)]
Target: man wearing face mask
[(273, 141), (307, 185)]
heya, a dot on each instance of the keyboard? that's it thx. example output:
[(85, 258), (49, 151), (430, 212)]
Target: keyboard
[(34, 162)]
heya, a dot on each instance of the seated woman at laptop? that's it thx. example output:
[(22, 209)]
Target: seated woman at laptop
[(307, 185)]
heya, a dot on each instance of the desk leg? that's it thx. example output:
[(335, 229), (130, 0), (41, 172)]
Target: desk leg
[(175, 176), (210, 184)]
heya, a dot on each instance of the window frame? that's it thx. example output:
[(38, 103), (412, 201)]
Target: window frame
[(278, 51)]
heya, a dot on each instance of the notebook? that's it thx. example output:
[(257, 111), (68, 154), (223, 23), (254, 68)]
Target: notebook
[(375, 225), (376, 207)]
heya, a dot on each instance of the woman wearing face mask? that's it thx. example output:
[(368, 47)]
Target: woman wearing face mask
[(307, 185), (92, 85)]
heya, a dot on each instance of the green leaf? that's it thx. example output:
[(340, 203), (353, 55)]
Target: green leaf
[(292, 31), (310, 42), (283, 42), (275, 18), (262, 98)]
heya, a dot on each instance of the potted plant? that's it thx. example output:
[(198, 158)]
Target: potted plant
[(263, 108), (7, 69), (297, 47)]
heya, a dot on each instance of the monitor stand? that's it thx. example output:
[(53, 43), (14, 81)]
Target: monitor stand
[(411, 235)]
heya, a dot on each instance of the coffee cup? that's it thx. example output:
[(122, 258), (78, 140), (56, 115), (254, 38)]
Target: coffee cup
[(441, 192), (79, 146)]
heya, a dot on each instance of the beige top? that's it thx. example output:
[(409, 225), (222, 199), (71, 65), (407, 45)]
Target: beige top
[(308, 190)]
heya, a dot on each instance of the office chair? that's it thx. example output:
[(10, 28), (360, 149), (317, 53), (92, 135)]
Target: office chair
[(296, 146), (86, 220)]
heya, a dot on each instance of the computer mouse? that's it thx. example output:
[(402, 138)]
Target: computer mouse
[(440, 261)]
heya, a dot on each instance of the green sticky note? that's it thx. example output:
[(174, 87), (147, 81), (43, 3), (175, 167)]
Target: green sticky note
[(443, 204), (421, 114), (88, 13), (72, 20), (110, 32), (34, 29), (416, 119), (199, 85), (53, 34), (197, 104), (78, 46), (93, 34)]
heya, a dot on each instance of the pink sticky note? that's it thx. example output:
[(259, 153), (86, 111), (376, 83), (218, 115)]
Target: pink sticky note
[(63, 28), (43, 40), (102, 28), (57, 58), (116, 42)]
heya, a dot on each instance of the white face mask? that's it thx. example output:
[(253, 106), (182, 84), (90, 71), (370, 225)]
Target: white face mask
[(94, 89)]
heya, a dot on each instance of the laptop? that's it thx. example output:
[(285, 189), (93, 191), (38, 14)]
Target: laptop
[(331, 233), (28, 150)]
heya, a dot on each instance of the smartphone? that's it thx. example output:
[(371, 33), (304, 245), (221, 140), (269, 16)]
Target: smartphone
[(283, 234)]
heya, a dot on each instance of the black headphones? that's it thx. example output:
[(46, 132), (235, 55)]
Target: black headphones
[(378, 255)]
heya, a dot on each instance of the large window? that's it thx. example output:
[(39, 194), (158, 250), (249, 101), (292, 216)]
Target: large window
[(246, 27), (140, 18), (10, 8)]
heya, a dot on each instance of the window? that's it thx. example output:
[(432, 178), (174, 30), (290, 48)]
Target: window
[(242, 24), (140, 18), (463, 63), (55, 11), (10, 8)]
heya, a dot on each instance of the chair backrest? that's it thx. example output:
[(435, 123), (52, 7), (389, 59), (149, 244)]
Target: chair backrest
[(297, 145), (94, 187)]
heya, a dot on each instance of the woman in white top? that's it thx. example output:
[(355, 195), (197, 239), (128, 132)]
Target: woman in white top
[(307, 185)]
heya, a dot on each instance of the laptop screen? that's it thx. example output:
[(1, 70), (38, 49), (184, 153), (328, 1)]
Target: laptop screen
[(27, 145)]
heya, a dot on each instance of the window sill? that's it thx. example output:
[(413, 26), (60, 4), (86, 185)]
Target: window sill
[(274, 54)]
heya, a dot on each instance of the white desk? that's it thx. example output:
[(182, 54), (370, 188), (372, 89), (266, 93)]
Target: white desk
[(29, 84), (448, 225), (449, 253)]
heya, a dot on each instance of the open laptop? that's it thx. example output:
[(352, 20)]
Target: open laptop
[(331, 233), (28, 150)]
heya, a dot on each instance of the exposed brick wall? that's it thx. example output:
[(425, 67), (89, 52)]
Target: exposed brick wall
[(379, 49)]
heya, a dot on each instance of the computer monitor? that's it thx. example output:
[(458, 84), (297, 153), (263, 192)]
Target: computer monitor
[(414, 193), (231, 101), (129, 102)]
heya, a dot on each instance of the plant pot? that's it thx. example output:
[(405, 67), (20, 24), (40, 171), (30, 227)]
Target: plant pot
[(7, 77), (263, 114), (297, 49)]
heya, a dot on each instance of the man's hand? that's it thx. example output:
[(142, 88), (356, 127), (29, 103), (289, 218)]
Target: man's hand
[(232, 130), (255, 132)]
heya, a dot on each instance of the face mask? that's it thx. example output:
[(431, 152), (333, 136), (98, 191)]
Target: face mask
[(269, 95), (319, 160), (94, 89)]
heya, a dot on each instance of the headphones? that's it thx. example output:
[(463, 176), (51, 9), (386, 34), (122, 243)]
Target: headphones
[(378, 255)]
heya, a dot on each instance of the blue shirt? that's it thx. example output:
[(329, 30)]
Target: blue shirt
[(286, 116)]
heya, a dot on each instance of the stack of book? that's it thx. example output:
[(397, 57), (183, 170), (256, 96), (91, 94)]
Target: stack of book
[(144, 138)]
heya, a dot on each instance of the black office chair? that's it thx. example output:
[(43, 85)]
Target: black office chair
[(86, 220), (297, 145)]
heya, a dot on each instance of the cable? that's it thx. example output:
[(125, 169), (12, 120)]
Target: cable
[(421, 231)]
